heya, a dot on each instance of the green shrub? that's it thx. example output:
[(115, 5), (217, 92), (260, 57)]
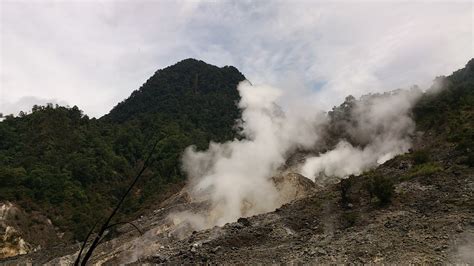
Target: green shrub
[(470, 159), (425, 169), (349, 219), (345, 186), (421, 157), (382, 188)]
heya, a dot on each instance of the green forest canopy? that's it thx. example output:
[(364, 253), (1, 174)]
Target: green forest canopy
[(59, 161)]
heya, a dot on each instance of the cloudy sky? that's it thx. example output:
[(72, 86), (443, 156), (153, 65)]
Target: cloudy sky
[(95, 53)]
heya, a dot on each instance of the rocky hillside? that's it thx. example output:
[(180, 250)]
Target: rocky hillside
[(415, 208), (429, 219)]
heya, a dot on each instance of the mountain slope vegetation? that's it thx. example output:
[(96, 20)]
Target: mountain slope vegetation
[(414, 208), (447, 110), (60, 162)]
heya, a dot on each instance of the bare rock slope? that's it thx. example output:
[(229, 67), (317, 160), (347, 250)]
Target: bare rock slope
[(430, 219)]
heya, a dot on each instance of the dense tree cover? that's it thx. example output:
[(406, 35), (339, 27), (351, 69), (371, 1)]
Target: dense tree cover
[(448, 108), (59, 161), (202, 99)]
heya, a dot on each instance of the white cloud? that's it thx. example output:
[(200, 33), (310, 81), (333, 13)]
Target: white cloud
[(94, 54)]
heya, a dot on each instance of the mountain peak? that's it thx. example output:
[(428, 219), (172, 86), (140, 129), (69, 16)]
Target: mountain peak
[(190, 61), (190, 85), (194, 65)]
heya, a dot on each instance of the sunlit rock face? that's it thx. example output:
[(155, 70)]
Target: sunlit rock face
[(293, 186), (23, 232), (12, 243)]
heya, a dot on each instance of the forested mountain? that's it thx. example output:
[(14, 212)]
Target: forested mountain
[(417, 207), (57, 161), (197, 95)]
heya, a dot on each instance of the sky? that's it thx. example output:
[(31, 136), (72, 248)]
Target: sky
[(93, 54)]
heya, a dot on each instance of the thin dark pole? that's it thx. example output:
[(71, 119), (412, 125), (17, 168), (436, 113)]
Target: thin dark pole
[(76, 263), (117, 207), (130, 223)]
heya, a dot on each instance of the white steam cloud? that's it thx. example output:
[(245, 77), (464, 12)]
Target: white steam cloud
[(236, 177), (381, 126)]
